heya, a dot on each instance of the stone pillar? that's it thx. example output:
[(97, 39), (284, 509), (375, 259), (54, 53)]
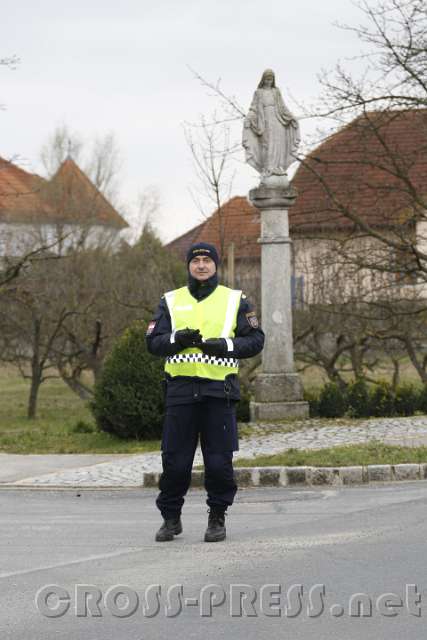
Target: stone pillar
[(278, 389)]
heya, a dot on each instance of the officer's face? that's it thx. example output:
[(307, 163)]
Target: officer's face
[(202, 267)]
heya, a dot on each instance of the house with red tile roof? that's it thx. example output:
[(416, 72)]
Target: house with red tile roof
[(368, 179), (68, 208)]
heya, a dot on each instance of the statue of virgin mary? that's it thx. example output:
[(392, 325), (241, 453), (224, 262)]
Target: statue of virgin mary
[(270, 133)]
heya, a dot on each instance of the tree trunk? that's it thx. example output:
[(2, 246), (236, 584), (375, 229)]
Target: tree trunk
[(78, 387), (396, 373), (413, 358), (36, 372), (34, 392)]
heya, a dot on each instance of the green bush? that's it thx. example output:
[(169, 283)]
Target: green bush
[(332, 401), (358, 399), (422, 399), (407, 400), (128, 397), (382, 400), (82, 426), (312, 397)]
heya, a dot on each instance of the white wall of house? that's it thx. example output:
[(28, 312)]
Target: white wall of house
[(19, 238), (329, 277)]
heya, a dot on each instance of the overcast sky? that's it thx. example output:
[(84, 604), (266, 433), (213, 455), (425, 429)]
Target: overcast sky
[(122, 67)]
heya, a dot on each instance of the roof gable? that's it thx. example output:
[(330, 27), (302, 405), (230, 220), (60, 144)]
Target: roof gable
[(237, 221), (18, 192), (69, 197), (371, 166)]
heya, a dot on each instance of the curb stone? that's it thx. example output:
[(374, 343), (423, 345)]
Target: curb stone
[(310, 476)]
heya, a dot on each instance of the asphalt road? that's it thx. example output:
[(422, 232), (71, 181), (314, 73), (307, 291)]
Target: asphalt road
[(368, 540)]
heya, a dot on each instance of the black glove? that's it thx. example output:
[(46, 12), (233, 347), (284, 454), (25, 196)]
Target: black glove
[(186, 338), (214, 347)]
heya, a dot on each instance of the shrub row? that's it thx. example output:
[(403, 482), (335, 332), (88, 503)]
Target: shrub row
[(358, 400)]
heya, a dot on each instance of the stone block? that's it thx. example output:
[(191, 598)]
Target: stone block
[(296, 475), (151, 479), (255, 476), (379, 472), (323, 475), (269, 476), (265, 411), (352, 475), (243, 476), (278, 387), (406, 471)]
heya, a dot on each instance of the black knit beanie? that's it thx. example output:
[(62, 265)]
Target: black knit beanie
[(202, 249)]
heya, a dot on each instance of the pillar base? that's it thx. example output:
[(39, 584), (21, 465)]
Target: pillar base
[(278, 387), (265, 411), (278, 396)]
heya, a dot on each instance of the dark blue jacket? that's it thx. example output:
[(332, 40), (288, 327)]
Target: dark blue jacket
[(248, 342)]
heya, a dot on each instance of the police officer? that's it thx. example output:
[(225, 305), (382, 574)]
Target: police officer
[(202, 330)]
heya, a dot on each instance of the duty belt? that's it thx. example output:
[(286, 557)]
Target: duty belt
[(202, 358)]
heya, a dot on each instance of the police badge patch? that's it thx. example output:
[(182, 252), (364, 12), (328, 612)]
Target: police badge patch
[(252, 319), (150, 328)]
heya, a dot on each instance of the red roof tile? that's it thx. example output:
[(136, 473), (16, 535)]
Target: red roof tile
[(181, 244), (237, 221), (19, 193), (68, 197), (368, 166)]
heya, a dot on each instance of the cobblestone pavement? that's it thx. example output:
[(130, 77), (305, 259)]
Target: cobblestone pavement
[(264, 439)]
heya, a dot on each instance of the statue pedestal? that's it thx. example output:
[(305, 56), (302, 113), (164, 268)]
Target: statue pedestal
[(278, 389)]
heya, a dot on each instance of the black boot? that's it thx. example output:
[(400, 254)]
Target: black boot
[(216, 525), (171, 527)]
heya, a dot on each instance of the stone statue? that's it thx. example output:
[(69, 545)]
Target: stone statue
[(270, 133)]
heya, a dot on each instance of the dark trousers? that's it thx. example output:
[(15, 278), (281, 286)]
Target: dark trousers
[(215, 421)]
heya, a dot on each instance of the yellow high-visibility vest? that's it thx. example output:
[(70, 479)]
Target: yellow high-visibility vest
[(215, 317)]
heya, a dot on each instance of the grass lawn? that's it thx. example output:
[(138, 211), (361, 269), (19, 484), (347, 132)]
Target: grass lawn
[(355, 454), (56, 428)]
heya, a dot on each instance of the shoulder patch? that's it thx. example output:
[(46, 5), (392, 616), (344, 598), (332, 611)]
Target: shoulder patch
[(150, 328), (252, 319)]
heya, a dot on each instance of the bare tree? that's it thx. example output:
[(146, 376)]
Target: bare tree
[(359, 335), (31, 317), (12, 268), (9, 62), (104, 293), (211, 151), (381, 154), (146, 212)]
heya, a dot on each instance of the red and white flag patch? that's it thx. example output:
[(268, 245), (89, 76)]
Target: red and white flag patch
[(150, 328), (252, 319)]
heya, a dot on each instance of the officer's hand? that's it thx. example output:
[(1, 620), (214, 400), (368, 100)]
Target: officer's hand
[(214, 347), (188, 338)]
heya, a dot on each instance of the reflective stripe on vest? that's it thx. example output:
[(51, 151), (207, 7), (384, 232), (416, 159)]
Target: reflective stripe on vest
[(215, 317)]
